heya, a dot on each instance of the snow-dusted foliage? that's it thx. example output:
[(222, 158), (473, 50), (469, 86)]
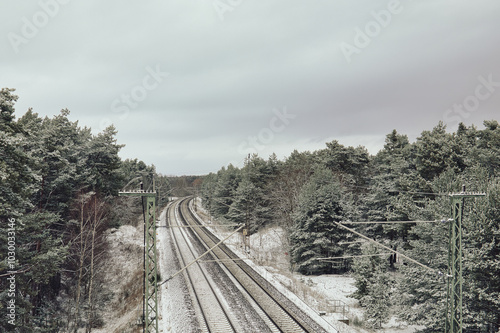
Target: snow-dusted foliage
[(314, 235), (56, 184), (404, 181)]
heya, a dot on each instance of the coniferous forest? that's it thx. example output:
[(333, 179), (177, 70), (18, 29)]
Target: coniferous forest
[(59, 188), (308, 191), (58, 196)]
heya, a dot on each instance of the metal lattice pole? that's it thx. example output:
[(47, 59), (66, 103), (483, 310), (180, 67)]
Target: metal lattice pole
[(454, 314), (151, 267), (150, 261), (454, 320)]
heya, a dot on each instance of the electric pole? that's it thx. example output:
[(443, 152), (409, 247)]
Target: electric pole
[(150, 276), (454, 314)]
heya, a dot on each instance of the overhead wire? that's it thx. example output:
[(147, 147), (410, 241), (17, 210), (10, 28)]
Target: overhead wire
[(201, 256), (197, 226), (358, 256), (341, 224), (388, 248), (399, 191), (394, 222)]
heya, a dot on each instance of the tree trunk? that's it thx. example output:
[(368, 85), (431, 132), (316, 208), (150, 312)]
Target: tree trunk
[(81, 253), (94, 227)]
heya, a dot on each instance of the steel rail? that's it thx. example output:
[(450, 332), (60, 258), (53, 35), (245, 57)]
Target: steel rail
[(281, 311), (211, 309)]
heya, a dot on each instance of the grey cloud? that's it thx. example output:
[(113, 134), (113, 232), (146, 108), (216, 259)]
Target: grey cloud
[(226, 77)]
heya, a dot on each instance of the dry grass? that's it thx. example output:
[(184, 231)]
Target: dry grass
[(131, 293), (124, 276)]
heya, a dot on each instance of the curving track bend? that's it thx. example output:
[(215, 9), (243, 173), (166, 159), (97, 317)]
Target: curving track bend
[(208, 304), (228, 295)]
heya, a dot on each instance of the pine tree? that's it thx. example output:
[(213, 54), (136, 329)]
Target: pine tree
[(391, 167), (374, 286), (349, 163), (244, 206), (314, 235), (207, 190), (423, 293), (103, 163), (434, 152), (44, 162), (487, 150), (482, 253), (223, 195), (7, 102)]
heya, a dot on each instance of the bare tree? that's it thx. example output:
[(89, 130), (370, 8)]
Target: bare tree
[(285, 194), (98, 247), (88, 247)]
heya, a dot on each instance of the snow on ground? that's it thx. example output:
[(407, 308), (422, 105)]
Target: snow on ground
[(124, 277), (174, 304), (314, 294), (267, 255)]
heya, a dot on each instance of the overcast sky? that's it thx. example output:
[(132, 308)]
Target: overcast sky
[(195, 85)]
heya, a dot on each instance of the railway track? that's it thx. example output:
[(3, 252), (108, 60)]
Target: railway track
[(209, 306), (276, 311)]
